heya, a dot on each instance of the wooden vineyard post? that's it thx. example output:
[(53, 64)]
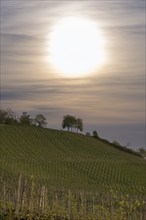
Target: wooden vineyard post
[(42, 199), (31, 195), (144, 212), (102, 204), (45, 197), (93, 205), (111, 207), (69, 203), (4, 197), (81, 204), (18, 198), (24, 193)]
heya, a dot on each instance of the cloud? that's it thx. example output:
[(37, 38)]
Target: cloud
[(14, 45), (113, 97), (105, 100)]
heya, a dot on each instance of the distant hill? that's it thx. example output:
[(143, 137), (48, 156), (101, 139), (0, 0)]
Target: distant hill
[(64, 159)]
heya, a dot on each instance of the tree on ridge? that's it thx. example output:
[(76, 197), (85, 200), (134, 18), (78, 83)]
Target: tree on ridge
[(71, 122), (68, 121), (40, 121), (25, 119), (79, 124), (95, 134), (8, 117)]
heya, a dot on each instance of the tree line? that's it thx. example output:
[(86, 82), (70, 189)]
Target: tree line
[(10, 118), (72, 123)]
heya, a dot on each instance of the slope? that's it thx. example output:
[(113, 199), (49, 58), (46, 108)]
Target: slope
[(67, 160)]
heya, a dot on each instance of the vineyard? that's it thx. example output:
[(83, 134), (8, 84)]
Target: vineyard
[(60, 161), (26, 201)]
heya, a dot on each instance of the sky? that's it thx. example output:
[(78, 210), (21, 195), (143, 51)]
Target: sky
[(111, 101)]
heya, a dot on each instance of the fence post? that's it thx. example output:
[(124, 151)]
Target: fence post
[(4, 197), (18, 194), (81, 204), (31, 195), (42, 199), (24, 193), (93, 205), (69, 203), (144, 212)]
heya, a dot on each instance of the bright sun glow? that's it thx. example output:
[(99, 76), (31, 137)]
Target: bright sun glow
[(76, 47)]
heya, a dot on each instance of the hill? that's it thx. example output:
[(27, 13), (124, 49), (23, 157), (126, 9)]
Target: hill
[(67, 160)]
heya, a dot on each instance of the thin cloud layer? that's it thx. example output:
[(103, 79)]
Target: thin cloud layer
[(112, 97)]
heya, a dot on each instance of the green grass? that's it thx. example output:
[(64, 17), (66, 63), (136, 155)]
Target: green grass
[(67, 160)]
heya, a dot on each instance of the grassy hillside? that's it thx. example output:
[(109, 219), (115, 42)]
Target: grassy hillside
[(67, 160)]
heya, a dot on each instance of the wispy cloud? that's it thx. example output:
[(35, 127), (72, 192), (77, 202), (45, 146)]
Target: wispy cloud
[(114, 97)]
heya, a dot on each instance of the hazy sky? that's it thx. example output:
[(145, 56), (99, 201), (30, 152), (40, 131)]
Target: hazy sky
[(112, 100)]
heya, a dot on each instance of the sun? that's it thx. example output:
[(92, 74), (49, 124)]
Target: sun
[(76, 47)]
